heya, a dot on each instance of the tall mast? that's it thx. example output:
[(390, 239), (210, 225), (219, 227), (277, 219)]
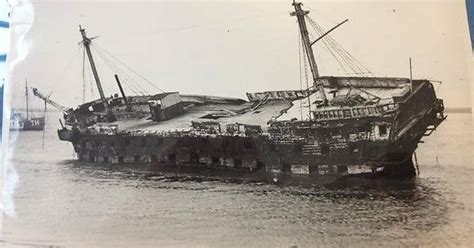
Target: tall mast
[(26, 97), (87, 41), (411, 77), (300, 15)]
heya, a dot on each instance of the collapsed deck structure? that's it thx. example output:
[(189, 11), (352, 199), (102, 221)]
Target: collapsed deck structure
[(340, 126)]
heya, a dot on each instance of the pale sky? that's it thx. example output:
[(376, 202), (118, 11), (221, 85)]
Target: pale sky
[(229, 48)]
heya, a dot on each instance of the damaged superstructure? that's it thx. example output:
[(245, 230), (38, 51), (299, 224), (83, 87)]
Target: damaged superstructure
[(340, 126)]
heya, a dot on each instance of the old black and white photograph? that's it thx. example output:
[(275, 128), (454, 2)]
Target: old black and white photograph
[(286, 123)]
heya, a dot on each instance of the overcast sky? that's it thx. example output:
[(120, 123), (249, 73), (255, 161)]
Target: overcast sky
[(229, 48)]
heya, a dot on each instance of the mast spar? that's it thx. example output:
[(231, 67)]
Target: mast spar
[(87, 41), (300, 15), (26, 97)]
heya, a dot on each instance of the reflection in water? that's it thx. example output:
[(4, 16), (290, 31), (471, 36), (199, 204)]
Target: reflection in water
[(60, 201), (351, 207)]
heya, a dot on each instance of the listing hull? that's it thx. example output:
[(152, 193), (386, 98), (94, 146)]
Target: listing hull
[(321, 150)]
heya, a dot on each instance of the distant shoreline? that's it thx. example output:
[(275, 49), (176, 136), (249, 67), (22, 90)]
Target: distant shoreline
[(34, 110), (458, 110)]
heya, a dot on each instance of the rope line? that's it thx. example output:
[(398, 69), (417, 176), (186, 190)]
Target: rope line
[(332, 47), (131, 69), (349, 64), (83, 76), (113, 68), (134, 87), (131, 84)]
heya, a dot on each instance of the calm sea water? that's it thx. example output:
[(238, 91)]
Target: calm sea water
[(58, 202)]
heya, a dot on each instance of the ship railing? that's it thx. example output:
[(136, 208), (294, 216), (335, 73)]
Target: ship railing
[(354, 112), (130, 115)]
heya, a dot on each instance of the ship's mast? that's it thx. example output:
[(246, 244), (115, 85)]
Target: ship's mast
[(300, 15), (87, 41), (26, 97), (121, 90)]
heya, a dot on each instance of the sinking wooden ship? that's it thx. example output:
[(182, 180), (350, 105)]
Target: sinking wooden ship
[(349, 126)]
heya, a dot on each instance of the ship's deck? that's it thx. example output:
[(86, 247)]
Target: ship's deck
[(198, 113), (300, 108), (242, 113)]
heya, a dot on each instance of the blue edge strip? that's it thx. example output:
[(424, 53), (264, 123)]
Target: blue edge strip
[(4, 24), (470, 16), (3, 57)]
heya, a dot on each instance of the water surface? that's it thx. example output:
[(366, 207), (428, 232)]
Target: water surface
[(59, 202)]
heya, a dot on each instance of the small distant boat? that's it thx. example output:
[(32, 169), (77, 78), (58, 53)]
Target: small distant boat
[(18, 121), (21, 122)]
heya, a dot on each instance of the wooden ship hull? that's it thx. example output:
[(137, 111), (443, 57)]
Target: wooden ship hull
[(258, 143), (34, 124), (340, 127), (30, 124)]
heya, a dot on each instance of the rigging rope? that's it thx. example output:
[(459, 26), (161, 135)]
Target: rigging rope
[(330, 44), (332, 48), (340, 60), (86, 75), (83, 76), (115, 69), (64, 69), (131, 69), (335, 57), (44, 128), (134, 87), (323, 15), (348, 63), (91, 84)]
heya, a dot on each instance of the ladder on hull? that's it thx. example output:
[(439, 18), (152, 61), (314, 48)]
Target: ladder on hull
[(431, 128)]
